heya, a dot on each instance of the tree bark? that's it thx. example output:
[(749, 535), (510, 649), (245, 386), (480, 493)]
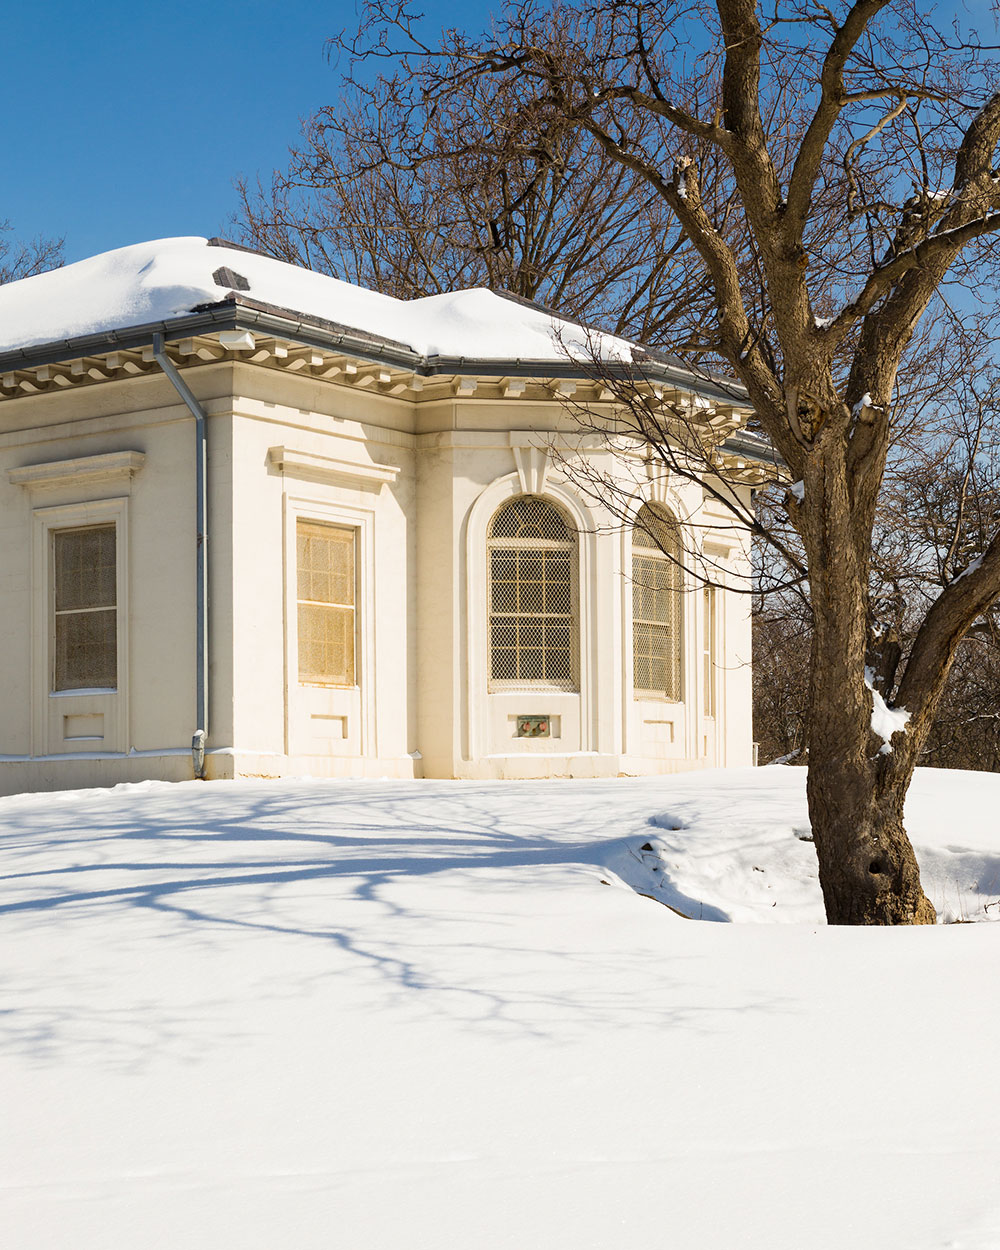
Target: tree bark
[(856, 790), (867, 868)]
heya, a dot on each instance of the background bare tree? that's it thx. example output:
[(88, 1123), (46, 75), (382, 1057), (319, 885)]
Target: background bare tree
[(936, 512), (19, 259), (481, 186)]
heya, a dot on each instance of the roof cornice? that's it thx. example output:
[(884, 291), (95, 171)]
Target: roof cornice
[(240, 313)]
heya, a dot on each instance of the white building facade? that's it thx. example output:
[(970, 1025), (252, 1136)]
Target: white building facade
[(404, 574)]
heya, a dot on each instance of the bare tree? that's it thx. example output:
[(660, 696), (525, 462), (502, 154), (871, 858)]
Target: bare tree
[(781, 682), (483, 186), (858, 143), (966, 733), (20, 259)]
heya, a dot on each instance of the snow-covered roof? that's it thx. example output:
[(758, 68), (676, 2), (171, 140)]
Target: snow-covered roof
[(166, 279)]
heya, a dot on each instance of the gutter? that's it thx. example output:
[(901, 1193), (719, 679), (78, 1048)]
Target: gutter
[(753, 447), (200, 736)]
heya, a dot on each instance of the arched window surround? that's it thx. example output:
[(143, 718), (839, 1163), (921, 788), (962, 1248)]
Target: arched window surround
[(476, 693)]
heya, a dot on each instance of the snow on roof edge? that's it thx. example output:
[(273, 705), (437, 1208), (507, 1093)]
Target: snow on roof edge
[(460, 330)]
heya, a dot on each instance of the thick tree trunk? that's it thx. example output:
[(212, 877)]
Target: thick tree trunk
[(867, 868), (856, 790)]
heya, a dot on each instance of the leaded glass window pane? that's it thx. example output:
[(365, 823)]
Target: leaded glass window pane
[(85, 608), (532, 558), (325, 575), (656, 605)]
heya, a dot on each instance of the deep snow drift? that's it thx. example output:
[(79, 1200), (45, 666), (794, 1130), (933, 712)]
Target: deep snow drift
[(325, 1014)]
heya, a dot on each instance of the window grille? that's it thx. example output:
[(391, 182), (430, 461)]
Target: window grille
[(326, 603), (532, 560), (85, 608), (656, 605)]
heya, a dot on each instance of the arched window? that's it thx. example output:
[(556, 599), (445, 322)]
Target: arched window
[(532, 596), (656, 604)]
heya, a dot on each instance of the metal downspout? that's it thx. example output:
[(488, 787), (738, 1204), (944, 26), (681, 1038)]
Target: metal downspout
[(200, 735)]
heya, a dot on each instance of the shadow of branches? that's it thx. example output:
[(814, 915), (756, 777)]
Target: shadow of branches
[(393, 892)]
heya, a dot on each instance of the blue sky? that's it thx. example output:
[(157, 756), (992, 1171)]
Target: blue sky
[(127, 122)]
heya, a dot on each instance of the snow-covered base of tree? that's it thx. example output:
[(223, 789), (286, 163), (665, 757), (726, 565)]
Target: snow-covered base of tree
[(365, 1015)]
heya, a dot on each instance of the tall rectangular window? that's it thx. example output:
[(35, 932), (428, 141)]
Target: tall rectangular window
[(708, 658), (656, 606), (325, 560), (85, 608)]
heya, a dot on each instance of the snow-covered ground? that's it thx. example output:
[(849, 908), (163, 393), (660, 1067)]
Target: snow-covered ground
[(360, 1015)]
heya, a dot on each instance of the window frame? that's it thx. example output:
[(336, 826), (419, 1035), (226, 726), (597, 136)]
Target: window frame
[(481, 728), (572, 547), (48, 704), (307, 506)]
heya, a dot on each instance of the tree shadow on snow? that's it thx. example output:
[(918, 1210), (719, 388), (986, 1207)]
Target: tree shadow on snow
[(218, 863)]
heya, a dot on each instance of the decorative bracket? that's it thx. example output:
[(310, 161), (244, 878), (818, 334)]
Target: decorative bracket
[(532, 464), (658, 476)]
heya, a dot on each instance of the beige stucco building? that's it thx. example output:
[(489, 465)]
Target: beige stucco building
[(404, 576)]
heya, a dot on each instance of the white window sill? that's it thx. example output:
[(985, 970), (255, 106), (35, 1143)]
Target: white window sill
[(87, 690)]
